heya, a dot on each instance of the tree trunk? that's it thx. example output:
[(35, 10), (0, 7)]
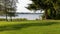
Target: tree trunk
[(46, 14), (10, 18), (6, 17), (54, 14)]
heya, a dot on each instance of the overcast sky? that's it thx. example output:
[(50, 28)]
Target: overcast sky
[(22, 4)]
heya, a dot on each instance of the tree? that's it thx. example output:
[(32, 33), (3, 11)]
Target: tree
[(9, 7), (1, 7), (50, 6)]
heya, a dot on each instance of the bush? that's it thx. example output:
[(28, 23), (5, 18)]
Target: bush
[(20, 19), (2, 19)]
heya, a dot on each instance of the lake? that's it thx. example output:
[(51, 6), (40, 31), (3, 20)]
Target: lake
[(29, 16)]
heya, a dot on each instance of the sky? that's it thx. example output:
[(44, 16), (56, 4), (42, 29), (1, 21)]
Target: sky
[(24, 3)]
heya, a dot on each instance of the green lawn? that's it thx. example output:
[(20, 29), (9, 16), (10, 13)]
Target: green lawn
[(30, 27)]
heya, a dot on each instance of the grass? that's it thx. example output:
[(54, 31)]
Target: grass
[(30, 27)]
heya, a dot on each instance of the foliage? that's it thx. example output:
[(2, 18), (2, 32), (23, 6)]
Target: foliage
[(51, 7), (2, 19), (17, 19), (20, 19), (8, 6)]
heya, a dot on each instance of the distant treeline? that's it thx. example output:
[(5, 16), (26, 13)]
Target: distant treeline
[(29, 13)]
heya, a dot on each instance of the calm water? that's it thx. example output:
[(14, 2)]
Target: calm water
[(27, 16)]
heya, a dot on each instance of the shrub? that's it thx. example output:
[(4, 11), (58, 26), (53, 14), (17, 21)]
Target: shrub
[(2, 19), (20, 19)]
